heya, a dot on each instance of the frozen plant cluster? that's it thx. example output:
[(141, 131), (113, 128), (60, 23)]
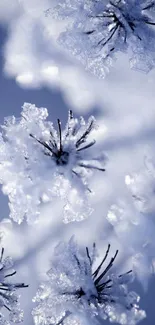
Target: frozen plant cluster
[(9, 299), (97, 29), (38, 163), (76, 290), (48, 168)]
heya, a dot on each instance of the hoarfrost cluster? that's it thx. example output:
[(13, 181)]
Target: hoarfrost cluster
[(96, 30), (142, 186), (9, 299), (38, 163), (76, 289), (127, 222)]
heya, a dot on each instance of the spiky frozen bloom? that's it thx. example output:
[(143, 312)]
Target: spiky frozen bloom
[(38, 163), (142, 186), (98, 29), (76, 288), (9, 299)]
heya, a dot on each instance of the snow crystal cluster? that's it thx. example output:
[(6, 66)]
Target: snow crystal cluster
[(38, 163), (9, 299), (75, 291), (127, 222), (142, 187), (96, 30)]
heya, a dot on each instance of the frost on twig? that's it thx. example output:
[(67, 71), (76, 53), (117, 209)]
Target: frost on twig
[(76, 288), (98, 29), (38, 162), (9, 300)]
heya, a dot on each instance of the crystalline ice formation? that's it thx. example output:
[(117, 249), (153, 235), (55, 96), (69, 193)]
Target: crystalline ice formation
[(75, 288), (9, 298), (142, 187), (98, 29), (38, 163)]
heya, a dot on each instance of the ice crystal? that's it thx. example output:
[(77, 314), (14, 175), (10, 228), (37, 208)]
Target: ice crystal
[(142, 187), (38, 163), (98, 29), (75, 288), (9, 299), (127, 222)]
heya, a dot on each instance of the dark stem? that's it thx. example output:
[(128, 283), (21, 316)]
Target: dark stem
[(113, 30), (87, 252), (4, 288), (70, 114), (104, 285), (77, 260), (125, 273), (149, 23), (2, 252), (60, 135), (84, 135), (87, 146), (151, 5), (11, 274), (89, 32), (75, 173), (107, 269), (22, 285), (43, 143), (99, 267), (91, 167), (7, 307)]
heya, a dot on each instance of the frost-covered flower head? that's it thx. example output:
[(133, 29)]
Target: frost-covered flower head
[(98, 29), (76, 288), (65, 148), (9, 299), (38, 162)]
